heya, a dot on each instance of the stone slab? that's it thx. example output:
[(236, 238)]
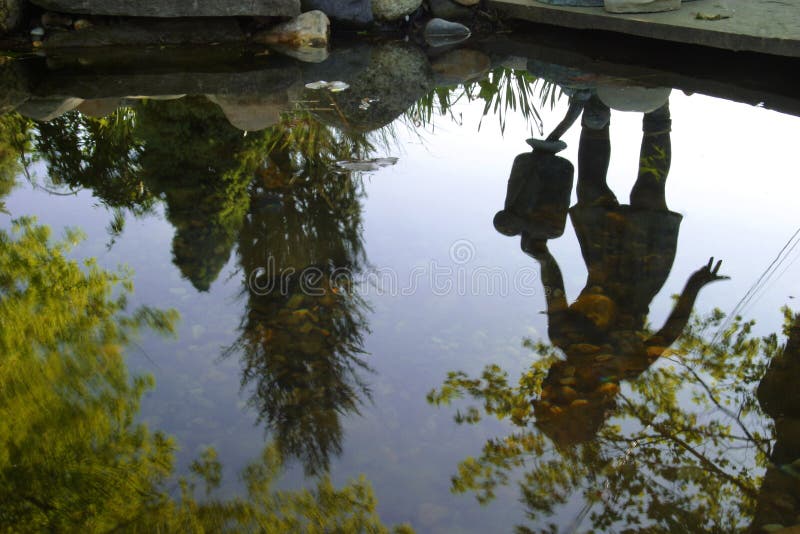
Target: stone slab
[(765, 26), (749, 78), (150, 32), (175, 8)]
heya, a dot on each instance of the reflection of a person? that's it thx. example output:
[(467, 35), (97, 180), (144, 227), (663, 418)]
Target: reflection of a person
[(628, 251)]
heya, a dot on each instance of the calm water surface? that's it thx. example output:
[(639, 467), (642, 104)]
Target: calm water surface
[(376, 322)]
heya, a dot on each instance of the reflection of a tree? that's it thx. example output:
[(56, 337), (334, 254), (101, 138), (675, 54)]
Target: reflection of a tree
[(201, 166), (74, 458), (183, 151), (683, 452), (301, 338)]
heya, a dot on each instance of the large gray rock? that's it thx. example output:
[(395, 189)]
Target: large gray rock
[(176, 8), (309, 29), (394, 9), (352, 12), (9, 15), (449, 10)]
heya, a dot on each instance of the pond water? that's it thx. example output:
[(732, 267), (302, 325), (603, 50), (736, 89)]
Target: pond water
[(376, 323)]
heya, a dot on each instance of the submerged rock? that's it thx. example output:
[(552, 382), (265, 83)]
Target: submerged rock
[(353, 12), (440, 32), (394, 9), (175, 8)]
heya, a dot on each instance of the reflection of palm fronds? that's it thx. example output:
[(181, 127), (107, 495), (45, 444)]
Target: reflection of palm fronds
[(309, 141), (503, 91)]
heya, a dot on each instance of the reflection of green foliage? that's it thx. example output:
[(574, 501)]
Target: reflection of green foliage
[(503, 91), (301, 341), (72, 457), (300, 140), (302, 355), (14, 140), (97, 154), (70, 451), (683, 451), (201, 166), (266, 509)]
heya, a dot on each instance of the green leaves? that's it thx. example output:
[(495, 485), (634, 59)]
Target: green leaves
[(683, 448)]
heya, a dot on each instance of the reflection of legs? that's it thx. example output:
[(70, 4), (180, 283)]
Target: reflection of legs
[(654, 161), (594, 153)]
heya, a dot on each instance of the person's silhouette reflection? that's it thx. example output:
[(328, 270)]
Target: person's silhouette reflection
[(628, 251)]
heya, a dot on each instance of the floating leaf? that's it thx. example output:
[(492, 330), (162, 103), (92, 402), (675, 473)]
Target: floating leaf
[(366, 165), (337, 87), (322, 84)]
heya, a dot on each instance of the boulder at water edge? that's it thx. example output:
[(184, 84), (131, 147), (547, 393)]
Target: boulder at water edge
[(304, 38), (351, 12), (394, 9)]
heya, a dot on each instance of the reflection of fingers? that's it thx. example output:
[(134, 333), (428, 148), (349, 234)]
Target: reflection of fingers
[(716, 268), (710, 263)]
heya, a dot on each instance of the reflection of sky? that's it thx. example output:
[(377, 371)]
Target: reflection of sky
[(732, 178)]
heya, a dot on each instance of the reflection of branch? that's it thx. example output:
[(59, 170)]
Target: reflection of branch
[(716, 402), (30, 180), (751, 492)]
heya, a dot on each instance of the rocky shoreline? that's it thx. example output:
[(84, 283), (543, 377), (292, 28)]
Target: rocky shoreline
[(298, 28)]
